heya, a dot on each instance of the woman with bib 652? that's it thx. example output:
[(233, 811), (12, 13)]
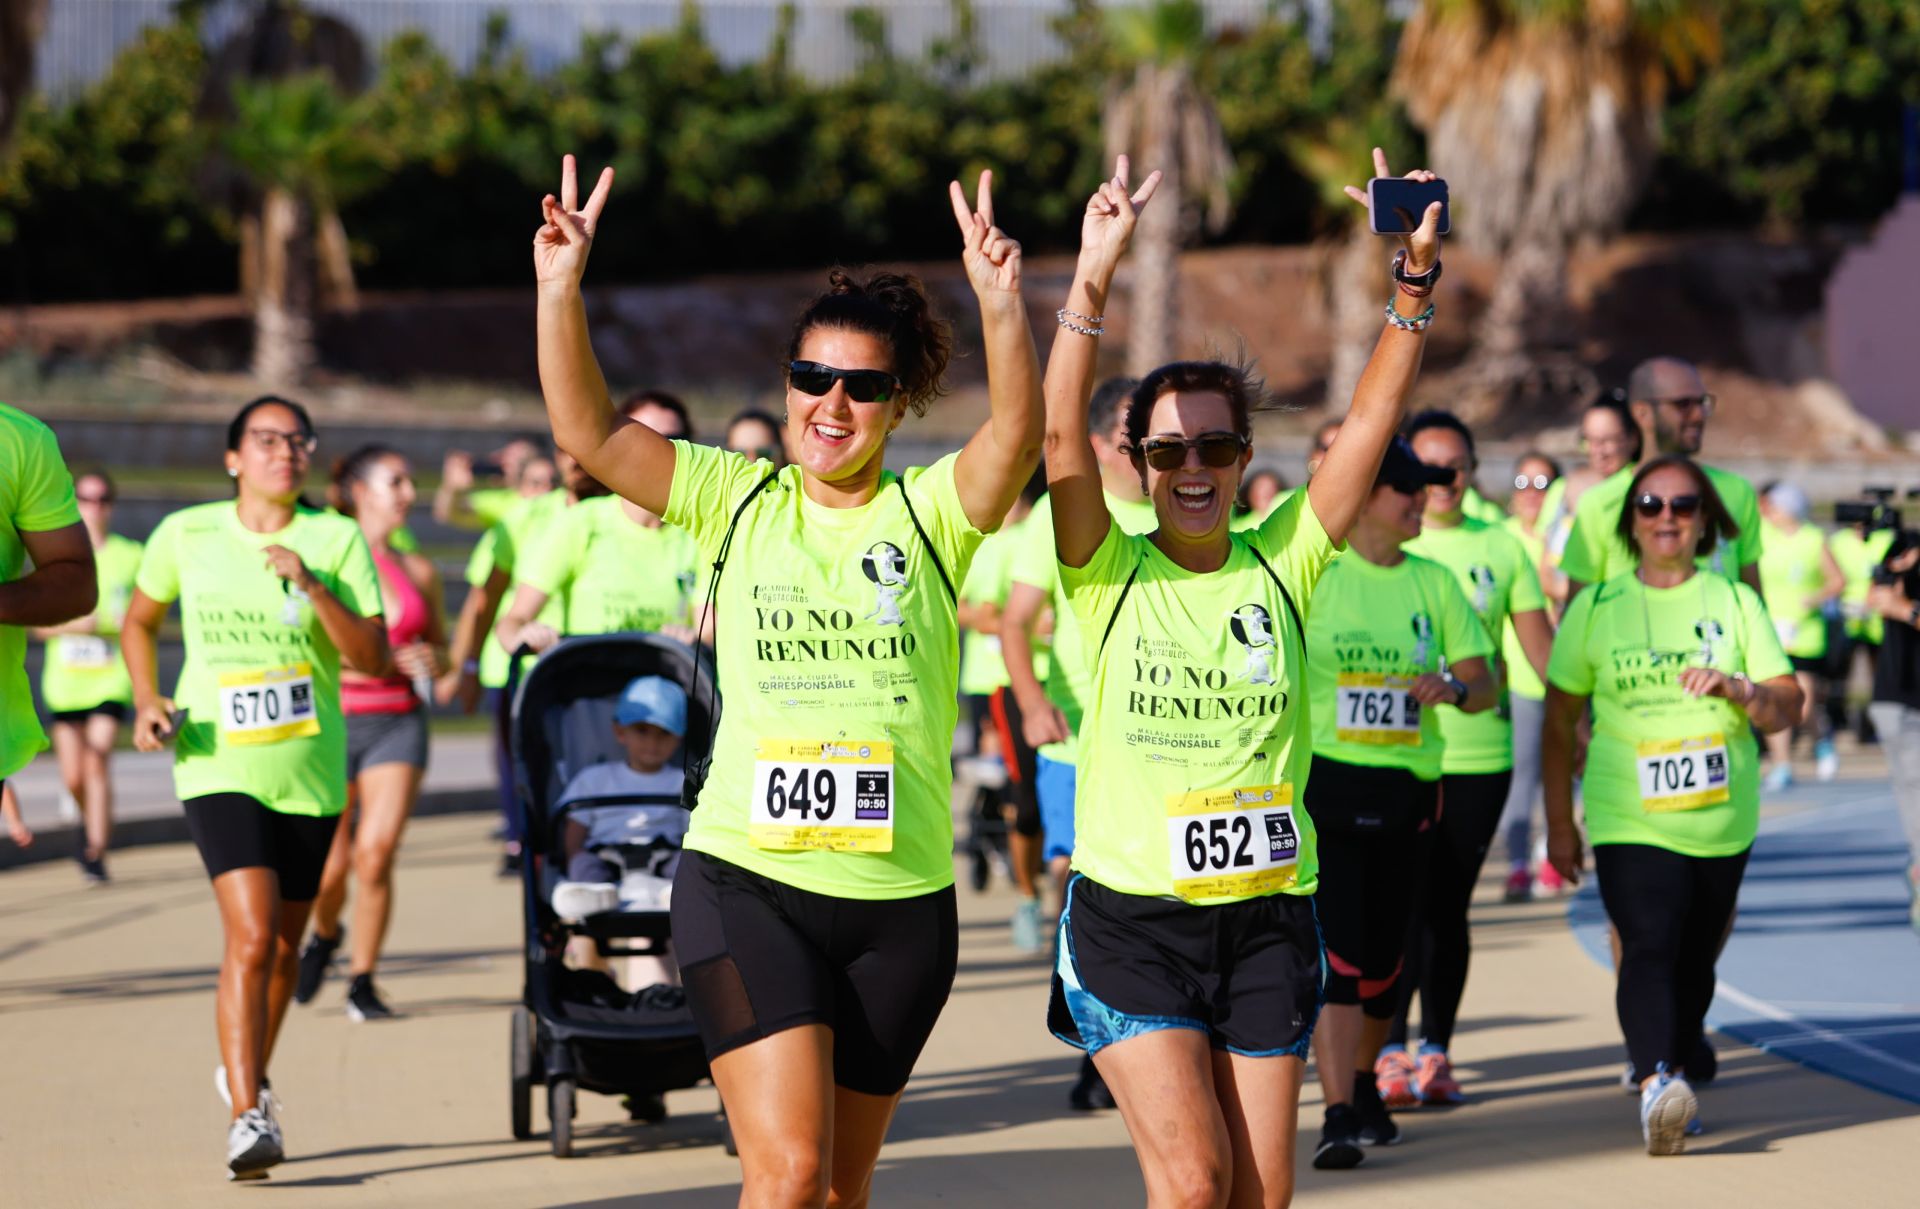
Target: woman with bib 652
[(1680, 668), (274, 598), (1189, 961), (813, 910)]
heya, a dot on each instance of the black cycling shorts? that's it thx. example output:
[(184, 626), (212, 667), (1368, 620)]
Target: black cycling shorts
[(758, 957), (238, 831), (119, 711), (1246, 974), (1375, 827)]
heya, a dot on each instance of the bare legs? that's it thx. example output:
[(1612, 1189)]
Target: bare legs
[(366, 845), (804, 1143), (84, 750), (256, 974)]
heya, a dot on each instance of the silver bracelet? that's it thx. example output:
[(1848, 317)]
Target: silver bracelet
[(1065, 318), (1419, 323)]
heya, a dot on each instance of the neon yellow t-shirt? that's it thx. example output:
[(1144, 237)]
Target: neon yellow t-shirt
[(1372, 631), (1791, 573), (982, 669), (1069, 677), (261, 685), (1482, 509), (85, 670), (1666, 769), (1195, 747), (36, 496), (1492, 568), (499, 547), (493, 504), (839, 659), (1596, 551), (1859, 557), (1522, 680), (613, 572)]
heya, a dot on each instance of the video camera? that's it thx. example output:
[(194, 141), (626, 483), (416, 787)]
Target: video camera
[(1876, 511)]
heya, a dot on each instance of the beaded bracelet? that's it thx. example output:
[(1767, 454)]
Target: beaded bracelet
[(1093, 325), (1418, 323)]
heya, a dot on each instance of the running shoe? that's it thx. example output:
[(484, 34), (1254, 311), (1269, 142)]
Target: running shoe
[(1519, 885), (1090, 1091), (364, 1003), (1779, 779), (1826, 761), (1629, 1080), (1549, 880), (93, 869), (1028, 935), (1339, 1146), (253, 1145), (315, 956), (266, 1102), (1376, 1124), (1666, 1105), (1393, 1074), (1436, 1082)]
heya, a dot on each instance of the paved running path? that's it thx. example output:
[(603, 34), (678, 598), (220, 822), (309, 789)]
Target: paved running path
[(106, 1003)]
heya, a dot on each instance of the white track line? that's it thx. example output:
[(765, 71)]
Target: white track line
[(1813, 1032)]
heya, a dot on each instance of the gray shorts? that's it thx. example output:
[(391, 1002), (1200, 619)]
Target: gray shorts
[(375, 739)]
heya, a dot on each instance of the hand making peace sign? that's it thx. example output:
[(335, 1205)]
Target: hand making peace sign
[(991, 255), (1112, 214), (561, 244)]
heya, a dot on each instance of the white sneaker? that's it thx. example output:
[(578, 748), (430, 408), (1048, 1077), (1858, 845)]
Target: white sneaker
[(1667, 1107), (574, 901), (265, 1101), (253, 1145)]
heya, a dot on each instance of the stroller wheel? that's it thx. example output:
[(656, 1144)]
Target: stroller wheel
[(521, 1058), (560, 1116)]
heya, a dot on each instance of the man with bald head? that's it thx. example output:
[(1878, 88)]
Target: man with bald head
[(1671, 405)]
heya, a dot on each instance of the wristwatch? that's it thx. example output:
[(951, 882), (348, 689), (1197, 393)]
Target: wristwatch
[(1459, 686), (1419, 281)]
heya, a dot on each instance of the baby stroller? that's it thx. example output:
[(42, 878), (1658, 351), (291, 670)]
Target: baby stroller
[(567, 1033)]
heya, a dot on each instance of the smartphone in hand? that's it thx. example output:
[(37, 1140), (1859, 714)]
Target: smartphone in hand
[(1395, 204)]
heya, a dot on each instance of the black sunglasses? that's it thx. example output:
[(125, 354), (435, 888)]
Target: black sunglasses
[(863, 385), (1651, 506), (1216, 449)]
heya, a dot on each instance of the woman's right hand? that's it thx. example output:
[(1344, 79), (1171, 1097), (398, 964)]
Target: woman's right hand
[(538, 637), (1112, 212), (565, 236), (153, 724)]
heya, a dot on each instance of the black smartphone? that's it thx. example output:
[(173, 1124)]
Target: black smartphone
[(1396, 204), (487, 468)]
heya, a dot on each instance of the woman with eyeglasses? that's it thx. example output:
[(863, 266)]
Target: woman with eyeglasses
[(814, 911), (386, 731), (1534, 475), (756, 435), (1679, 666), (275, 599), (1189, 961), (1481, 756), (84, 681)]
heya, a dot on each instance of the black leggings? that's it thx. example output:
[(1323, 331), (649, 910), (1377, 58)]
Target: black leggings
[(1375, 826), (1440, 943), (1021, 760), (1671, 912)]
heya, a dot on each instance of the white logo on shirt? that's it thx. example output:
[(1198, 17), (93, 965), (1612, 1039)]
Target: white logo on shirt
[(886, 566), (1252, 628)]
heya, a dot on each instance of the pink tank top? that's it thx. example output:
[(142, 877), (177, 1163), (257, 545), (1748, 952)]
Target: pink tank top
[(405, 607)]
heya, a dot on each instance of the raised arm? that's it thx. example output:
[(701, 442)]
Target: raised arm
[(1339, 489), (631, 459), (1001, 456), (1080, 516)]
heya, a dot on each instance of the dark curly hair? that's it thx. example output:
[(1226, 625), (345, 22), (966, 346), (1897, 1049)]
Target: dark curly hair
[(1716, 522), (1245, 392), (894, 307)]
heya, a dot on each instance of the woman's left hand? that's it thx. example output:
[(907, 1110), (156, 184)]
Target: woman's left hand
[(288, 566), (992, 257), (416, 659), (1423, 245), (1707, 682), (1432, 688)]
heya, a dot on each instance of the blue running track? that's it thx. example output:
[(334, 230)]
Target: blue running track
[(1823, 967)]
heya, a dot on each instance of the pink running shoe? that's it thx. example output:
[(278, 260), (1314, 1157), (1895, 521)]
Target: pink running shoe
[(1435, 1078), (1393, 1074), (1519, 886), (1549, 879)]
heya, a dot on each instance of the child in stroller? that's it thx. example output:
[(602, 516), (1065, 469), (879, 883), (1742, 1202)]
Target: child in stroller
[(623, 855)]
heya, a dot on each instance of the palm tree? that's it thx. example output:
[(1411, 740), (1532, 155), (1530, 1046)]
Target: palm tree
[(1160, 116), (21, 22), (1545, 117), (308, 150)]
